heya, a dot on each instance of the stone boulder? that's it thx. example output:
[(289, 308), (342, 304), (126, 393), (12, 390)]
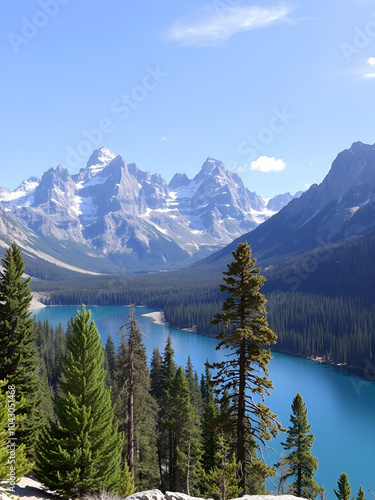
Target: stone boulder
[(169, 495), (147, 495)]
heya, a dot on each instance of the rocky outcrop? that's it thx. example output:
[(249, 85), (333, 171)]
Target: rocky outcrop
[(158, 495), (147, 495)]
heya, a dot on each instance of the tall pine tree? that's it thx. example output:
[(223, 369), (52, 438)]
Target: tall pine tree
[(110, 362), (302, 464), (343, 487), (244, 374), (81, 451), (210, 423), (181, 420), (155, 374), (168, 370), (18, 360), (195, 392), (138, 408)]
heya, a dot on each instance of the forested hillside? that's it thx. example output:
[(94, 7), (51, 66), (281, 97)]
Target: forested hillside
[(321, 304)]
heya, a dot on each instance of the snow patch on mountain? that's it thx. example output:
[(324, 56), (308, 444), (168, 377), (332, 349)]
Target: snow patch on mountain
[(114, 207)]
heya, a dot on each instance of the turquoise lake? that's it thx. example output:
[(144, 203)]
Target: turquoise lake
[(341, 406)]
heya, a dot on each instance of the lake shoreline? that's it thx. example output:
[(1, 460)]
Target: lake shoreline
[(351, 370), (158, 317)]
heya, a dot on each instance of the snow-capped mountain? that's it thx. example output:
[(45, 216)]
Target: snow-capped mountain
[(134, 218), (217, 201)]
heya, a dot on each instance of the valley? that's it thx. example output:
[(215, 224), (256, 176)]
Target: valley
[(316, 254)]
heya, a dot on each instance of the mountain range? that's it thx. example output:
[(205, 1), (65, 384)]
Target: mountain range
[(341, 207), (112, 216)]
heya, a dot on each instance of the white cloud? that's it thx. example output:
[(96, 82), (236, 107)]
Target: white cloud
[(218, 27), (163, 138), (267, 164), (371, 61), (369, 75)]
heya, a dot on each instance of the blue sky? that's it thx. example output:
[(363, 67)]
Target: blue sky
[(274, 89)]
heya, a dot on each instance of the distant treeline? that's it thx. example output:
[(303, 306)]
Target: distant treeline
[(321, 304)]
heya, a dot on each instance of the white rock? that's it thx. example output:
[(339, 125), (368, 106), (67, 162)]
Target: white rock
[(169, 495), (147, 495)]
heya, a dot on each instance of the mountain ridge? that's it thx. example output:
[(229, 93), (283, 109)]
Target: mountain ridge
[(341, 206), (133, 218)]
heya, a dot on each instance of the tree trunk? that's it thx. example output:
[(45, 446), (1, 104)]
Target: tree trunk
[(188, 461), (241, 421), (131, 410)]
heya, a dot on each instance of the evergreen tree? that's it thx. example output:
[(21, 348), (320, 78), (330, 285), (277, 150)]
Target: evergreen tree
[(360, 494), (206, 379), (18, 360), (45, 393), (210, 424), (300, 441), (168, 367), (245, 333), (110, 363), (343, 487), (138, 408), (195, 393), (181, 420), (81, 452), (110, 357), (13, 461), (168, 370), (127, 487), (222, 482), (155, 374)]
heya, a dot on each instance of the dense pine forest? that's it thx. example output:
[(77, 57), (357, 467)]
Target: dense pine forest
[(328, 292), (93, 418)]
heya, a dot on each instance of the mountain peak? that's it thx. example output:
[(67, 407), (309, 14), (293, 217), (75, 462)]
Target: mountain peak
[(357, 146), (179, 180), (99, 158), (28, 184), (208, 167)]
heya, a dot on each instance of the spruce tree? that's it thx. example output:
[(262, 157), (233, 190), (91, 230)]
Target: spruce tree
[(168, 370), (168, 367), (110, 358), (127, 487), (210, 423), (244, 374), (81, 452), (343, 487), (155, 374), (205, 384), (221, 481), (18, 360), (138, 408), (301, 461), (110, 367), (13, 461), (360, 494), (195, 393), (181, 420)]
